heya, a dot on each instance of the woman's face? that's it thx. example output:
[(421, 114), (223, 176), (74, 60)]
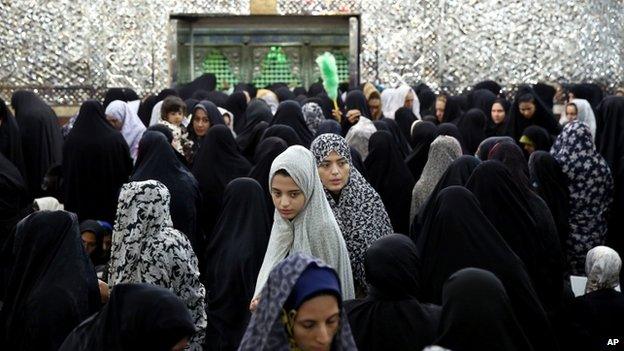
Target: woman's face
[(181, 345), (287, 197), (571, 112), (527, 109), (529, 148), (201, 123), (440, 105), (409, 100), (117, 124), (374, 106), (334, 172), (89, 241), (498, 113), (316, 323)]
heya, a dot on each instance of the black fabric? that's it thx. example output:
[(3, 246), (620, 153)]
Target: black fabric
[(423, 135), (190, 104), (472, 129), (539, 136), (123, 94), (216, 164), (477, 314), (237, 104), (315, 89), (610, 144), (96, 163), (41, 138), (161, 128), (391, 126), (97, 256), (258, 118), (136, 317), (513, 158), (289, 114), (391, 317), (597, 318), (543, 117), (207, 81), (156, 160), (327, 105), (145, 109), (404, 117), (14, 198), (451, 130), (283, 132), (457, 173), (234, 257), (486, 145), (551, 184), (357, 161), (525, 223), (329, 126), (490, 85), (546, 93), (388, 174), (355, 101), (589, 91), (283, 94), (266, 152), (10, 139), (300, 91), (52, 286), (457, 235), (248, 87), (452, 110), (482, 99), (426, 97), (218, 98)]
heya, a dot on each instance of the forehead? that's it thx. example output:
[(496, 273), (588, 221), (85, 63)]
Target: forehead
[(284, 183), (374, 101), (526, 104), (318, 308)]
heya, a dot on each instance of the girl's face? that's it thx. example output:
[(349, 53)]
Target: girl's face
[(288, 199), (201, 123), (571, 112), (527, 109), (440, 106), (175, 118), (89, 241), (498, 113), (316, 323), (334, 172)]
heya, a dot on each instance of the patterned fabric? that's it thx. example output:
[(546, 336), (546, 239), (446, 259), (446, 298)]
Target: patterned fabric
[(146, 249), (442, 152), (266, 330), (602, 267), (313, 115), (359, 211), (314, 231), (591, 191), (181, 142)]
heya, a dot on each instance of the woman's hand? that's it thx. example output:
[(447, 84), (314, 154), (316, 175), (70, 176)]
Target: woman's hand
[(353, 116), (337, 115), (104, 291), (254, 304)]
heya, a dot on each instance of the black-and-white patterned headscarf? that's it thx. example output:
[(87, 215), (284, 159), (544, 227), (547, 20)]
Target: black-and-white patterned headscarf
[(313, 115), (266, 331), (359, 210)]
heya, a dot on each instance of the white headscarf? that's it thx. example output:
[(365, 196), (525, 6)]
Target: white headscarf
[(314, 231), (585, 115), (132, 129), (155, 113), (49, 204), (602, 267), (394, 99), (359, 135), (442, 152)]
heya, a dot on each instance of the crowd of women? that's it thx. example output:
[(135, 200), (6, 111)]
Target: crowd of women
[(278, 219)]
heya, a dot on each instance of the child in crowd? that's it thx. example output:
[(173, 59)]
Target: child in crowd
[(172, 113)]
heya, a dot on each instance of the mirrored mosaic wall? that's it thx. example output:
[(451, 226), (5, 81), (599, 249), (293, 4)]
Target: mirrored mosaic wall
[(73, 50)]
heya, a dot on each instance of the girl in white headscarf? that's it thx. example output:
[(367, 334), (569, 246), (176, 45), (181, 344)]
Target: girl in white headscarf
[(394, 99), (442, 152), (121, 117), (303, 220), (581, 110)]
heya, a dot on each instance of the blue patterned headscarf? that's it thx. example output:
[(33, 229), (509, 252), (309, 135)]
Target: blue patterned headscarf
[(266, 331)]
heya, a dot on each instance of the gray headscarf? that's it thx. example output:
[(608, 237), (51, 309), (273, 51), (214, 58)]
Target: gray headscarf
[(442, 152), (314, 231), (359, 135), (313, 115), (266, 331), (602, 267), (359, 210)]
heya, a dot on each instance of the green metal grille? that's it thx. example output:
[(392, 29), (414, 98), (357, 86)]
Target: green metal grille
[(215, 62), (276, 67)]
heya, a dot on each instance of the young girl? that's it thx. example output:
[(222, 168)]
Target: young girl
[(172, 113), (303, 220)]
